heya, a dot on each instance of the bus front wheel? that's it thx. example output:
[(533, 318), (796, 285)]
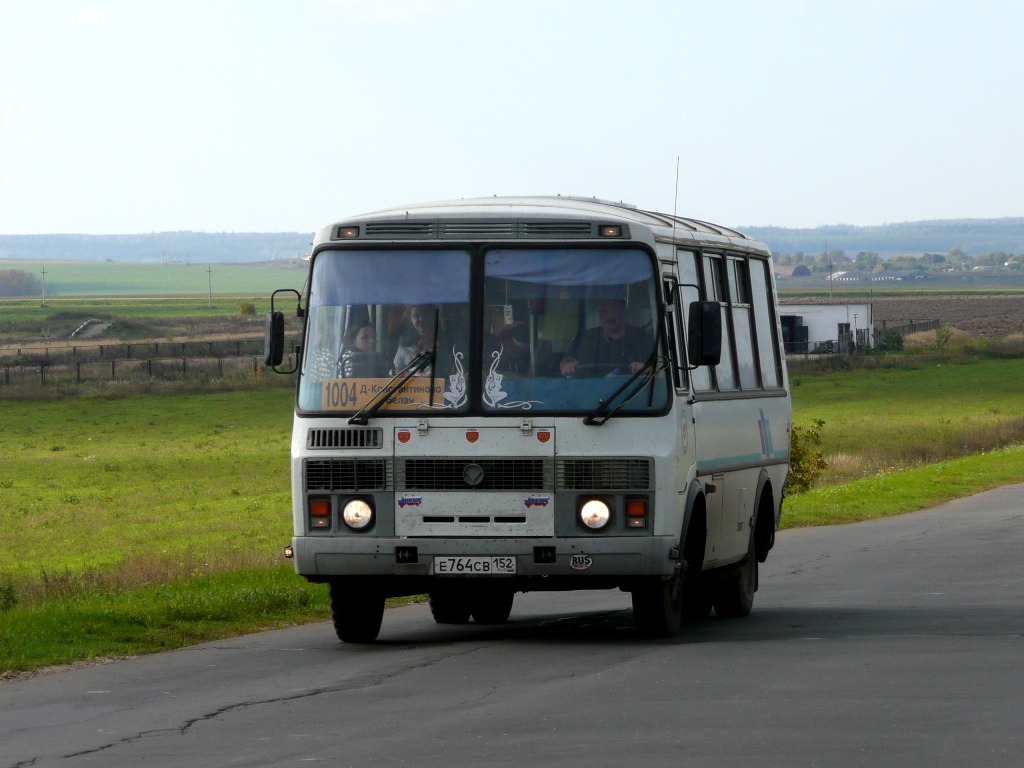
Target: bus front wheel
[(493, 606), (450, 606), (658, 605), (356, 612)]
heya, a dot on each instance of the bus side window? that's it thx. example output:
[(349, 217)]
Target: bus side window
[(764, 324), (741, 311), (716, 290), (689, 277), (677, 347)]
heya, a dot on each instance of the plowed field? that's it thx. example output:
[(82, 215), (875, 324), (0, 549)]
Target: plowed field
[(979, 315)]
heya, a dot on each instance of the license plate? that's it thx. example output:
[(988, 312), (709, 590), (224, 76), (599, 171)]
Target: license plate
[(474, 566)]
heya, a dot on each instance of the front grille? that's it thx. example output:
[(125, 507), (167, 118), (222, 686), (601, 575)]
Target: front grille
[(558, 228), (368, 437), (497, 475), (603, 474), (346, 474), (478, 229), (418, 229)]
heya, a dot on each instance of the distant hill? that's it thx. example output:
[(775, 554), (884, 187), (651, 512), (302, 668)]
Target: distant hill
[(159, 247), (972, 236)]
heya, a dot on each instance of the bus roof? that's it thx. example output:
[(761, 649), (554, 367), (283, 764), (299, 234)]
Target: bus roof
[(550, 208)]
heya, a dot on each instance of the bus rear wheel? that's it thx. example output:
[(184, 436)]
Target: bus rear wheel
[(734, 592), (356, 612)]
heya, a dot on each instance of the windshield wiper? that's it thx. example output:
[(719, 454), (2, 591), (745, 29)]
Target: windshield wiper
[(433, 355), (604, 411), (363, 415)]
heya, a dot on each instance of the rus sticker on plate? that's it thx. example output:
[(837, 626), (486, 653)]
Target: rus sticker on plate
[(502, 565)]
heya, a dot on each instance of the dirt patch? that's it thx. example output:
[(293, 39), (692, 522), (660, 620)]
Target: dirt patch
[(981, 316)]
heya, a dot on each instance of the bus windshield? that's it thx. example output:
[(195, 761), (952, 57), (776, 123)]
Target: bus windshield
[(553, 330)]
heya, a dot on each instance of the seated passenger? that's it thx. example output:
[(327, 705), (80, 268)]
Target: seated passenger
[(501, 345), (360, 360), (612, 348), (423, 319)]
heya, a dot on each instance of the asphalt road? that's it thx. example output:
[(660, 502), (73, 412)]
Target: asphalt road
[(889, 643)]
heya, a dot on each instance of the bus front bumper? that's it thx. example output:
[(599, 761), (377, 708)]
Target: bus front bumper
[(321, 558)]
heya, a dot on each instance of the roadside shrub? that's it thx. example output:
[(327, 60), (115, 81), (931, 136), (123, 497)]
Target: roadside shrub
[(246, 308), (806, 461), (891, 341)]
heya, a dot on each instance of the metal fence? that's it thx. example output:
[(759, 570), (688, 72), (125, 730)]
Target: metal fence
[(905, 328), (67, 353), (162, 361)]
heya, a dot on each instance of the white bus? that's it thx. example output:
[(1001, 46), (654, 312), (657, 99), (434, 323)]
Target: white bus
[(535, 393)]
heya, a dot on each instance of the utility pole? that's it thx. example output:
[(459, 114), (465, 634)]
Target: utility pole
[(209, 279), (44, 287), (830, 266)]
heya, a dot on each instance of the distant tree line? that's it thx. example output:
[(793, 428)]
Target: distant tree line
[(972, 236), (18, 282), (159, 247), (955, 261)]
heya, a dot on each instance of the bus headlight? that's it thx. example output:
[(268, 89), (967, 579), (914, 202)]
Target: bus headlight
[(357, 514), (595, 514)]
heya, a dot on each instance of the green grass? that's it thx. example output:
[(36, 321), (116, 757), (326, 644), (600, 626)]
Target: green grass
[(102, 278), (156, 617), (141, 523), (162, 483), (879, 418), (897, 492)]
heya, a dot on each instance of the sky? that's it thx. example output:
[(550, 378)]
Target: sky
[(136, 116)]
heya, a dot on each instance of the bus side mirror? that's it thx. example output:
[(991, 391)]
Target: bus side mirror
[(704, 334), (273, 342)]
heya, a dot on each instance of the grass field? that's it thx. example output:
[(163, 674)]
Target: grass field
[(147, 522), (68, 279), (930, 408)]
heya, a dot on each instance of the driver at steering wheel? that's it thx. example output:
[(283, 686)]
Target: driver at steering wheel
[(613, 347)]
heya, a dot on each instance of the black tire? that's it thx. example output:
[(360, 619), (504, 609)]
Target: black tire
[(449, 606), (658, 605), (734, 591), (697, 597), (492, 606), (356, 612)]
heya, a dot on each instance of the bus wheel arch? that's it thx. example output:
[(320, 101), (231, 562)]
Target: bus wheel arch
[(764, 518), (697, 598)]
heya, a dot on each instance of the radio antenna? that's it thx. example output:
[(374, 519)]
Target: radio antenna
[(675, 202)]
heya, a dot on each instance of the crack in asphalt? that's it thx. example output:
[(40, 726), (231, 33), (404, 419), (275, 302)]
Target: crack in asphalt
[(351, 685)]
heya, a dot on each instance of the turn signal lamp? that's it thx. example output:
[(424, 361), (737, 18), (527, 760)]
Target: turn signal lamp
[(347, 233), (319, 513), (610, 230), (636, 513)]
